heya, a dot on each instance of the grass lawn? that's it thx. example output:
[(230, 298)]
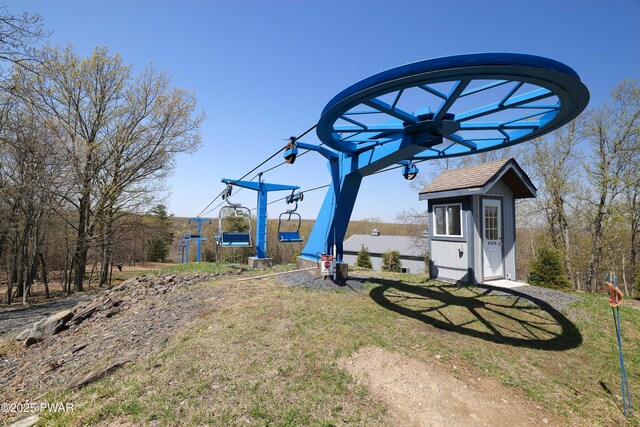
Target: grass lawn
[(265, 354)]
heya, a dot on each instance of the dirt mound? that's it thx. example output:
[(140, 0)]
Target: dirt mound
[(421, 394)]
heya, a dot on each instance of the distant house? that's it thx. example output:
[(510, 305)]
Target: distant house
[(412, 250), (472, 221)]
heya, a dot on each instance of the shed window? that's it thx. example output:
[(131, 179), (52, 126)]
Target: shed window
[(448, 220)]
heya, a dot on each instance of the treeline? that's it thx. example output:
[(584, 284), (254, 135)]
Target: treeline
[(85, 144), (281, 253), (588, 204)]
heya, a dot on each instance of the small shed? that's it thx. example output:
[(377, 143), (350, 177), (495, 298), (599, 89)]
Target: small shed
[(412, 250), (472, 221)]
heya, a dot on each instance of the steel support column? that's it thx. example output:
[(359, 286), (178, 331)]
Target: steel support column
[(262, 188)]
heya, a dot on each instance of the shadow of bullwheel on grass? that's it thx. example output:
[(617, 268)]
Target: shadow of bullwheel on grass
[(503, 316)]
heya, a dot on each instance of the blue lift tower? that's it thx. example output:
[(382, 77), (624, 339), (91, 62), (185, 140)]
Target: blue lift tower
[(261, 260), (198, 236), (185, 244), (432, 109)]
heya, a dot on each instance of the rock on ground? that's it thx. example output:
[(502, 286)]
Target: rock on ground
[(47, 327), (15, 319), (29, 421), (102, 334)]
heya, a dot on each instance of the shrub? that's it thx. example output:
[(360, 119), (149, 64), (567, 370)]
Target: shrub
[(364, 259), (547, 270), (391, 261), (427, 264)]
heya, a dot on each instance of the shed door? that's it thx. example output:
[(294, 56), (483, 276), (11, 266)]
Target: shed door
[(492, 238)]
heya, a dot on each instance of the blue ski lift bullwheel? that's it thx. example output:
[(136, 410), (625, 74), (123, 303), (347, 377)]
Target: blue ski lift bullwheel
[(432, 109), (462, 104)]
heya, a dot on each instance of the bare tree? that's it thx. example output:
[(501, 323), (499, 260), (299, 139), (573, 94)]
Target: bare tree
[(154, 125), (18, 34), (120, 133), (553, 163), (631, 206), (31, 170), (612, 131)]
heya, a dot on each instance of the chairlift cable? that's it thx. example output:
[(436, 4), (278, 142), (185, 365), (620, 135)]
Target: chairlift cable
[(284, 163), (302, 191), (306, 191), (223, 202), (257, 167), (202, 212), (275, 154)]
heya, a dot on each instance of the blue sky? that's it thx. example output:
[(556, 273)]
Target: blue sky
[(263, 70)]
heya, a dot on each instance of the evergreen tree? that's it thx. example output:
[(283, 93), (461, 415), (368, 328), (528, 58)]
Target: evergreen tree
[(547, 270), (364, 259), (163, 223), (391, 261), (162, 226), (158, 250)]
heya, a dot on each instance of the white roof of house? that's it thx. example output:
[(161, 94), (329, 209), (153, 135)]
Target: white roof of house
[(407, 245)]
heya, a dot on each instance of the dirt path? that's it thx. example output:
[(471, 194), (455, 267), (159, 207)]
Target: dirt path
[(421, 394), (15, 320)]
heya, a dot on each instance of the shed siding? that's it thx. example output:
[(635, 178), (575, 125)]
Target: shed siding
[(450, 255), (476, 253), (446, 262), (414, 266), (508, 222)]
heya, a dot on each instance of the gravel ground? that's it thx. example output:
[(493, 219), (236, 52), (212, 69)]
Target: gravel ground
[(307, 280), (556, 299), (15, 320)]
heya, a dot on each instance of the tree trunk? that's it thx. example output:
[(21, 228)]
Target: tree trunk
[(93, 270), (66, 276), (82, 246), (32, 256), (624, 278), (22, 255), (11, 224), (44, 274), (635, 228), (598, 228), (13, 274), (594, 265), (564, 227), (30, 279), (107, 249)]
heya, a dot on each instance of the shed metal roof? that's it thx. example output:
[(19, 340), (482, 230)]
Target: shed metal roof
[(479, 178), (408, 246)]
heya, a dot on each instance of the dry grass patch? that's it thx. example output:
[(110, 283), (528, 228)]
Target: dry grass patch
[(268, 356)]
